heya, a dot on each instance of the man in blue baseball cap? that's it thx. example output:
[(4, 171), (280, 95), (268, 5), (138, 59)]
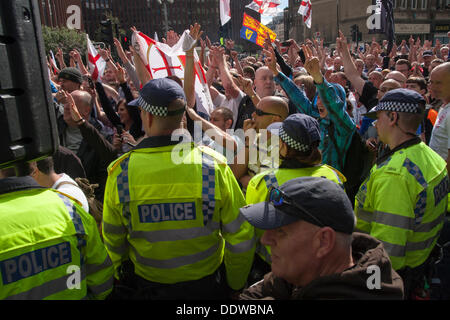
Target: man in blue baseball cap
[(171, 221), (309, 223), (404, 200)]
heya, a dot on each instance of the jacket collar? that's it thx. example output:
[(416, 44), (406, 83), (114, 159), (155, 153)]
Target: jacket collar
[(406, 144), (157, 141), (12, 184)]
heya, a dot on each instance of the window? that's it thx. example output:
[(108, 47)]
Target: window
[(414, 4), (402, 4), (394, 4), (424, 4)]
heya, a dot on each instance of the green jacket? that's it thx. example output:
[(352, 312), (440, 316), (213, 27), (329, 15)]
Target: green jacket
[(403, 202), (50, 247), (176, 219), (259, 186)]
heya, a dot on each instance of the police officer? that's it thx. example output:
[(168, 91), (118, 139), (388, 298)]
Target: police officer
[(404, 199), (299, 139), (172, 209), (50, 247)]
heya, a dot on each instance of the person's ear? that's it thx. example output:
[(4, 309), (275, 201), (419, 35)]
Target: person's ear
[(228, 123), (326, 240)]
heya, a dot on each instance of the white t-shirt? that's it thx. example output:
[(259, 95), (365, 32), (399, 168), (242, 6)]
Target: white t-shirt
[(72, 190), (440, 137), (232, 104)]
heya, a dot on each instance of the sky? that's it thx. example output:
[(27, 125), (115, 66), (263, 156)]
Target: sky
[(267, 19)]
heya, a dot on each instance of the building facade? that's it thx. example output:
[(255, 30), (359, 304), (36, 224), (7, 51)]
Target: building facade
[(427, 19), (147, 16)]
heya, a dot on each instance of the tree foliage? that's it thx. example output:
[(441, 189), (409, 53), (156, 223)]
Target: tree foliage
[(64, 38)]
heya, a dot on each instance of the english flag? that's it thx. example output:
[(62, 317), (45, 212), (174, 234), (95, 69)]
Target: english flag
[(96, 63), (306, 11), (265, 7), (161, 61), (225, 12)]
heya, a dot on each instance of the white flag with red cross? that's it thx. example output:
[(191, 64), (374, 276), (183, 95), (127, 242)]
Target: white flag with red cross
[(305, 10), (225, 12), (96, 63), (162, 61), (265, 7)]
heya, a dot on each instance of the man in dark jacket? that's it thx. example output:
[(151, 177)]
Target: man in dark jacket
[(309, 224)]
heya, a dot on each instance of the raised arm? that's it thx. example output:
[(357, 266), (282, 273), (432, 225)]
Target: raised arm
[(350, 70), (189, 70)]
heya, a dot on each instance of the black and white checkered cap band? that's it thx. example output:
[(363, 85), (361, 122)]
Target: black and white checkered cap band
[(407, 107), (154, 110), (292, 143)]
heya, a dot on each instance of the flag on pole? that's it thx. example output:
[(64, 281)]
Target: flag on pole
[(305, 10), (254, 31), (161, 61), (225, 12), (265, 7), (96, 63)]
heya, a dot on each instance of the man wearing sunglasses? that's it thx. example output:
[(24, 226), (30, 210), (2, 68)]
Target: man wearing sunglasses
[(269, 110), (309, 223)]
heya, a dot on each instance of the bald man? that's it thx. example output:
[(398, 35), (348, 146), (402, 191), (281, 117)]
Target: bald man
[(440, 88), (387, 86), (269, 110), (263, 86), (397, 76)]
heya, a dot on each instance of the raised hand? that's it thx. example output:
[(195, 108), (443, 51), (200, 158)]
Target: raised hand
[(271, 60), (312, 65), (120, 73), (195, 31)]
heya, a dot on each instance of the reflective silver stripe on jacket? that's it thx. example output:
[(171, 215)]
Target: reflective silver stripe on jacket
[(46, 289), (177, 261)]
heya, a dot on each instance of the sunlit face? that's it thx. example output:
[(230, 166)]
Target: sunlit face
[(323, 112), (382, 125), (218, 120), (69, 86), (291, 251), (264, 83), (403, 68), (440, 84), (123, 113)]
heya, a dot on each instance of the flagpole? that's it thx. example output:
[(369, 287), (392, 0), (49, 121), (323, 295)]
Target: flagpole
[(337, 18)]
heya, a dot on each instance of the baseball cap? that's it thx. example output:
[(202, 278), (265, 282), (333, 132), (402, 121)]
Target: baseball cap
[(427, 53), (71, 74), (156, 96), (399, 100), (298, 131), (316, 200)]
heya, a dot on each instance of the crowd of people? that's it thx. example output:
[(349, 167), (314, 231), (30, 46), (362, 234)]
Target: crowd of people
[(341, 171)]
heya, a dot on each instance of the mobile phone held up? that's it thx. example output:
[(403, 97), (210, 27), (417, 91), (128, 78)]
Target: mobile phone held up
[(302, 56)]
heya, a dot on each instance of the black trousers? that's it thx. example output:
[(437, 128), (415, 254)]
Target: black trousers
[(134, 287)]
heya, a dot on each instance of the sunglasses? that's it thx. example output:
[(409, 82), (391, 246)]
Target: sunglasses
[(260, 113), (278, 198)]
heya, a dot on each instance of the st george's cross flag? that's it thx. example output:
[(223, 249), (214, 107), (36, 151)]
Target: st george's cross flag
[(96, 63), (225, 11), (161, 61), (265, 7), (305, 10)]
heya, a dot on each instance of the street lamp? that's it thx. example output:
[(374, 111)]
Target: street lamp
[(164, 4)]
